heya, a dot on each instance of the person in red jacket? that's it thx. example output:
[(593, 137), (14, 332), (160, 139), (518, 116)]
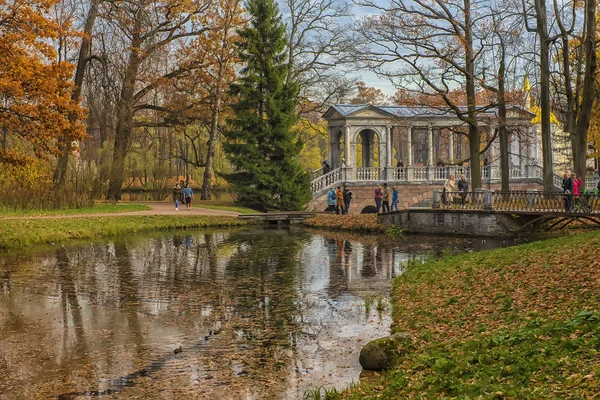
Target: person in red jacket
[(378, 196)]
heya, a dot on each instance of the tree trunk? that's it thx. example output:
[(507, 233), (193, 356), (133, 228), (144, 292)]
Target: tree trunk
[(502, 133), (587, 98), (542, 29), (124, 121), (474, 138), (210, 153), (64, 143)]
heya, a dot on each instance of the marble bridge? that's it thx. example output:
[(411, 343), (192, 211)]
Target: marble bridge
[(367, 143)]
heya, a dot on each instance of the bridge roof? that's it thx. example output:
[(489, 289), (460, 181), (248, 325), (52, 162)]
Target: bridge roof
[(416, 111)]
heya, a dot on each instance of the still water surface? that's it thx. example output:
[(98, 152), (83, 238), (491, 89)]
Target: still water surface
[(259, 314)]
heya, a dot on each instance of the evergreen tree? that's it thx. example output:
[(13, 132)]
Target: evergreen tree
[(260, 143)]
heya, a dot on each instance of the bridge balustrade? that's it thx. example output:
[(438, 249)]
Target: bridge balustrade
[(368, 174), (520, 200)]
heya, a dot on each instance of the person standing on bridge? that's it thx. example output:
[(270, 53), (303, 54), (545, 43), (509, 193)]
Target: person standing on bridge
[(567, 187), (378, 195), (463, 189), (386, 198), (347, 199), (448, 190), (576, 183), (339, 198)]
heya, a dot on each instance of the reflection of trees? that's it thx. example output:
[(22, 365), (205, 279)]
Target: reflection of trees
[(263, 278), (338, 281), (70, 301), (369, 261), (128, 295)]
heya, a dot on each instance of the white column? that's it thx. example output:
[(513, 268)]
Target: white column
[(389, 146), (451, 146), (409, 161), (429, 145), (383, 149), (347, 153), (330, 149)]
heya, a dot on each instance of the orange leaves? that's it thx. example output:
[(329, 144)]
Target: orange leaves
[(35, 88), (359, 223)]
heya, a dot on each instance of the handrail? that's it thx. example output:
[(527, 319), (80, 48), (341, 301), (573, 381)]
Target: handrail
[(522, 200), (326, 180)]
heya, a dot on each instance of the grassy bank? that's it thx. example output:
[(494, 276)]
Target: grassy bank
[(96, 209), (518, 323), (18, 233), (366, 223)]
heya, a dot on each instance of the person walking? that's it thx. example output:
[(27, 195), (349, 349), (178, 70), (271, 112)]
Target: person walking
[(463, 188), (339, 198), (331, 198), (394, 198), (347, 199), (177, 196), (386, 198), (187, 196), (378, 195), (448, 190)]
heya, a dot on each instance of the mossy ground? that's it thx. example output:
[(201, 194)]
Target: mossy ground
[(512, 323), (22, 232)]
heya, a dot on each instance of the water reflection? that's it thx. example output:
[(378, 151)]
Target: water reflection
[(259, 314)]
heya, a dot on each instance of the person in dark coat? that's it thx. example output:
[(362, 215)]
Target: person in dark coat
[(463, 188), (347, 199), (567, 187)]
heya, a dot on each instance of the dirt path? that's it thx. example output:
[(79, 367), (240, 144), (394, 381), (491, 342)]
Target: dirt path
[(156, 209)]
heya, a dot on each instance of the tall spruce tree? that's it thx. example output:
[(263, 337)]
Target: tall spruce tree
[(260, 143)]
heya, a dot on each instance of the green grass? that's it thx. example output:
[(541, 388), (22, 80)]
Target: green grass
[(518, 323), (18, 233), (98, 208)]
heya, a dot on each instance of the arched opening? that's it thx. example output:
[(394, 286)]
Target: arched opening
[(338, 155), (367, 149)]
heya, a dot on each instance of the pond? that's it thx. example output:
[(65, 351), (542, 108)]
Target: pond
[(248, 314)]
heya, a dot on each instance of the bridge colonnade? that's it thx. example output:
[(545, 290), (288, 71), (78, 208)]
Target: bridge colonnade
[(367, 141)]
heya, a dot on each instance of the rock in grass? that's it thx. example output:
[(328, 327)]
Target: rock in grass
[(178, 350), (382, 353)]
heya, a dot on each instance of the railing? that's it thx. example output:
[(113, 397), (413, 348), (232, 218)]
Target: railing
[(590, 183), (557, 180), (463, 200), (368, 174), (514, 171), (325, 181), (546, 201), (522, 200), (314, 174)]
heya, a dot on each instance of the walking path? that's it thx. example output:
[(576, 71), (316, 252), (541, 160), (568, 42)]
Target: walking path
[(156, 209)]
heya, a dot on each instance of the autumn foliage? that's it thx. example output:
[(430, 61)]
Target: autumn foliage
[(35, 87)]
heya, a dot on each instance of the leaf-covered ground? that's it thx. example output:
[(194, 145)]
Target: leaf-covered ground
[(355, 223), (520, 322)]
